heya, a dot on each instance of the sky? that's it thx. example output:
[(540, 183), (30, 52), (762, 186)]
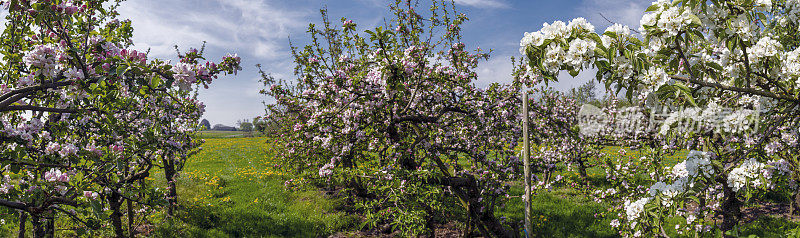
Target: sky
[(259, 31)]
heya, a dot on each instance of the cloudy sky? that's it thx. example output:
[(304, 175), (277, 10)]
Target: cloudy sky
[(259, 31)]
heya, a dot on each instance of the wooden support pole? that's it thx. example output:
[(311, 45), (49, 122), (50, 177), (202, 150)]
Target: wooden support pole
[(526, 154)]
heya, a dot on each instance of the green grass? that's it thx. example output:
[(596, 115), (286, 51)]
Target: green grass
[(231, 189), (560, 213)]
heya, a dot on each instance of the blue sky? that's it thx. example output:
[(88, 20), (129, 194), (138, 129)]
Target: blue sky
[(259, 31)]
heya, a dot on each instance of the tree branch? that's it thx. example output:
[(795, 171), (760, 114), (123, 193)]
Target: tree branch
[(40, 109), (736, 89)]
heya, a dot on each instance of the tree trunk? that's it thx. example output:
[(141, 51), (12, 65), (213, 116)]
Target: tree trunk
[(131, 231), (468, 226), (515, 229), (582, 169), (430, 220), (23, 217), (731, 208), (39, 227), (172, 196), (796, 203), (494, 226), (793, 203), (115, 203), (51, 225), (487, 223)]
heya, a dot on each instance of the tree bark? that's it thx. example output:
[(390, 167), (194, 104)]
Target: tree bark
[(487, 223), (131, 231), (51, 225), (731, 208), (172, 196), (796, 203), (582, 169), (115, 204), (39, 227), (468, 227), (23, 217), (430, 222)]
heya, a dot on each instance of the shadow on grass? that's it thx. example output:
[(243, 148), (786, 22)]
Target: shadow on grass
[(263, 209), (561, 217), (257, 221), (768, 226), (560, 213)]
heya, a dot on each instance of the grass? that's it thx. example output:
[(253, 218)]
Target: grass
[(223, 134), (232, 189), (565, 212), (560, 213)]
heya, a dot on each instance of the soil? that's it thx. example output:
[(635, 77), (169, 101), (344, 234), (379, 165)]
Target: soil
[(781, 210), (442, 231)]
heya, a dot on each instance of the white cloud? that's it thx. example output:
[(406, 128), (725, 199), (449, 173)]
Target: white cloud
[(3, 15), (375, 3), (483, 3), (255, 29), (253, 26), (496, 70), (626, 12), (567, 82)]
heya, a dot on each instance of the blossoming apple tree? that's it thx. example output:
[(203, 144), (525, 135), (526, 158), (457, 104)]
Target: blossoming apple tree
[(705, 57), (85, 118), (393, 116)]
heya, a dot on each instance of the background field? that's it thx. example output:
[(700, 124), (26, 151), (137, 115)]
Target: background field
[(223, 134)]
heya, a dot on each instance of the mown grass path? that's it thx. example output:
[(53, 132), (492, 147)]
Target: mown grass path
[(233, 189)]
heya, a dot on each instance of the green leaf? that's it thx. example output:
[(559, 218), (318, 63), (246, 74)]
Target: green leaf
[(715, 66), (574, 73), (695, 19), (636, 41), (121, 70), (97, 208)]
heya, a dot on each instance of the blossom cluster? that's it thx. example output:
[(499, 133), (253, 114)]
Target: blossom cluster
[(754, 174), (697, 164)]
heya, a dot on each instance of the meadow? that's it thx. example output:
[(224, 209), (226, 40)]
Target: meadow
[(233, 188)]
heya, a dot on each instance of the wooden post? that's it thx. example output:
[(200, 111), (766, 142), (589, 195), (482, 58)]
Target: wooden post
[(526, 154)]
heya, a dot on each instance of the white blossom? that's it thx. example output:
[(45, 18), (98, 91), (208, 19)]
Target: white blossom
[(185, 75), (530, 38), (747, 172), (655, 77), (634, 209), (619, 29), (743, 26), (673, 20), (623, 66), (791, 63), (764, 5), (765, 47), (649, 19), (580, 24), (579, 52), (554, 57), (556, 30), (606, 40)]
